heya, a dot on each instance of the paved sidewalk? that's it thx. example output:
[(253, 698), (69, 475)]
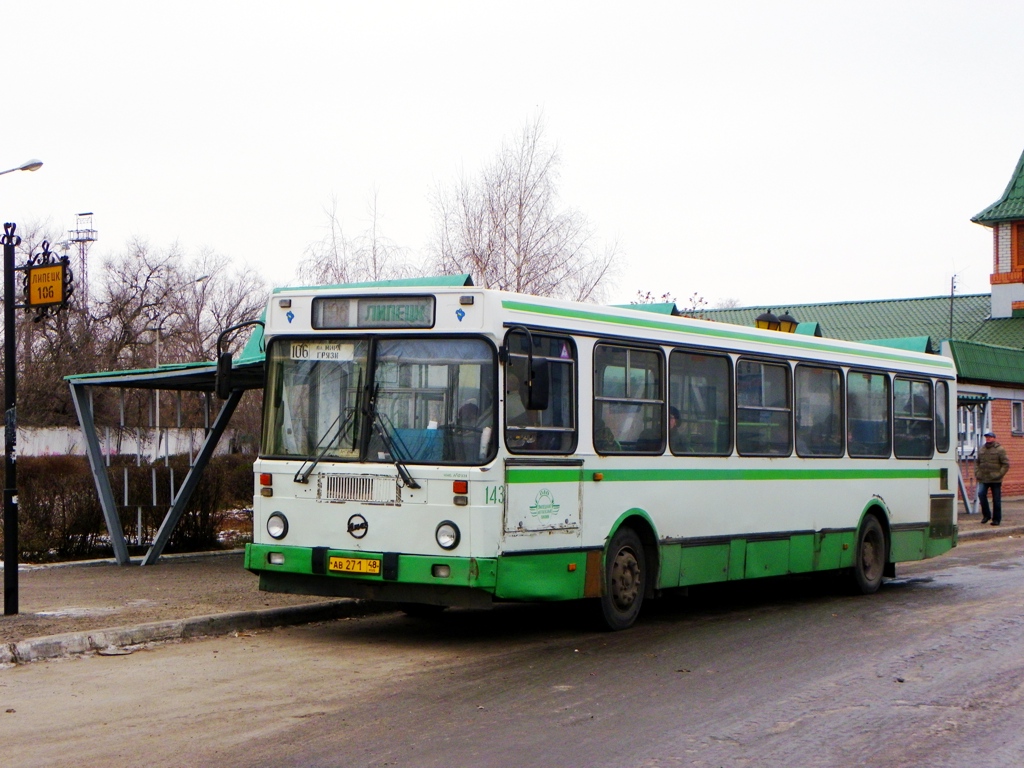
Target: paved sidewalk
[(1012, 523), (99, 607)]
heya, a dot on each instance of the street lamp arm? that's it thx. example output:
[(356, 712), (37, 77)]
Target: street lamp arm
[(28, 165)]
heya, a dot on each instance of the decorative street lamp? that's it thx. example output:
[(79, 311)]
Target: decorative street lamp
[(766, 321), (788, 323)]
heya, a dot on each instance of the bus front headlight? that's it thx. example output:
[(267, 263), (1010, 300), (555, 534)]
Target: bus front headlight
[(277, 526), (447, 535)]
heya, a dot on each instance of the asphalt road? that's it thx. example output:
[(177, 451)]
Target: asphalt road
[(929, 672)]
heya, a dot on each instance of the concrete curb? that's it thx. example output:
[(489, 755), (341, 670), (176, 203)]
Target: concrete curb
[(979, 531), (57, 646)]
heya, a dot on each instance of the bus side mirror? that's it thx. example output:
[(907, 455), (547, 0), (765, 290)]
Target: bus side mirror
[(538, 386), (224, 376)]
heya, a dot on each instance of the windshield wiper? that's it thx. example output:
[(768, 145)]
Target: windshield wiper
[(376, 421), (302, 475)]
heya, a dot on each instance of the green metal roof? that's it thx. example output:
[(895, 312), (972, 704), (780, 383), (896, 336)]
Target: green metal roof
[(984, 362), (808, 329), (661, 308), (984, 349), (1010, 206), (910, 343), (891, 318)]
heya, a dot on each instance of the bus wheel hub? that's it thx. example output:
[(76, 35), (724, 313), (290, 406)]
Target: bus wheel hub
[(625, 580)]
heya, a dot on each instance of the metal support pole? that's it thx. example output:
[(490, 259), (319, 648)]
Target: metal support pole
[(191, 480), (83, 407), (10, 429)]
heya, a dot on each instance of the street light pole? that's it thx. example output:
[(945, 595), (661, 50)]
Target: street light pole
[(10, 430), (10, 242)]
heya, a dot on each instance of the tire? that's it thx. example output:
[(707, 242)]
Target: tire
[(625, 580), (871, 557)]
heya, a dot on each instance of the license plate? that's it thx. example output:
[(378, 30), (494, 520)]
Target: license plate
[(353, 565)]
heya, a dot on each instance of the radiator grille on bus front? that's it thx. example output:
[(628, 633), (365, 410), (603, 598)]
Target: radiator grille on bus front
[(369, 489)]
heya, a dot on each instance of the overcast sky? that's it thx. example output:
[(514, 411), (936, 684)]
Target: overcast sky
[(768, 152)]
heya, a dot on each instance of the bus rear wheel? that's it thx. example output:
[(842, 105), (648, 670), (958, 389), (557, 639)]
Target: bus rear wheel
[(625, 580), (871, 556)]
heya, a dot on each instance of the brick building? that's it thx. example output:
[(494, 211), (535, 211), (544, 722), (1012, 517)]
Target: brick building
[(983, 333)]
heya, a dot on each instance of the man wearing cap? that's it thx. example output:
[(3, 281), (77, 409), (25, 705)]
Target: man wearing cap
[(990, 469)]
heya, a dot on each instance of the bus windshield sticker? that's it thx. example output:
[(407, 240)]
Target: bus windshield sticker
[(322, 350)]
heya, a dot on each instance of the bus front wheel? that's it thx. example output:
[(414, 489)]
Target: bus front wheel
[(625, 579), (871, 556)]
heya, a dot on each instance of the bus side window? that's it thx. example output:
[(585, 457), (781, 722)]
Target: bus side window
[(867, 408), (763, 409), (629, 404), (700, 392), (941, 416), (819, 412), (912, 419), (553, 429)]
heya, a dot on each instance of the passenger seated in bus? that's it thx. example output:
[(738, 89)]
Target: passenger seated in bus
[(675, 434), (651, 440), (604, 438)]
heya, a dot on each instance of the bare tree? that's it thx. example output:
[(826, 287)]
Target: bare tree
[(210, 296), (646, 297), (337, 259), (507, 230)]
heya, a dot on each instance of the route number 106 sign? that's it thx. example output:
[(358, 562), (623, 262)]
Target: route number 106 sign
[(46, 285)]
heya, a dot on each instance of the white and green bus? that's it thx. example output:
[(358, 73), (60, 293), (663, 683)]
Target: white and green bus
[(435, 445)]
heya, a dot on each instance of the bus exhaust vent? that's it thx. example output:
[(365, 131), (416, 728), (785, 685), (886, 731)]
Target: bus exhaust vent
[(368, 489)]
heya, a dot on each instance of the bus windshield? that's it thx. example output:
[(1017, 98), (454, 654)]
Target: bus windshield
[(431, 401)]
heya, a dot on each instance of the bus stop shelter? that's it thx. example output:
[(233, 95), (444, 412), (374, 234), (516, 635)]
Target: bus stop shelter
[(247, 373)]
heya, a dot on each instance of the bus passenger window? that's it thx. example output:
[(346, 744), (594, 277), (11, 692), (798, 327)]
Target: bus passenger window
[(552, 430), (912, 419), (941, 417), (700, 391), (763, 410), (867, 408), (819, 412), (629, 405)]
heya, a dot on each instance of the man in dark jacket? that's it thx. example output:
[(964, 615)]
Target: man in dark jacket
[(990, 469)]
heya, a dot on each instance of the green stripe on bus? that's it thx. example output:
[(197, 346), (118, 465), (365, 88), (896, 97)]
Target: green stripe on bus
[(719, 331), (518, 476)]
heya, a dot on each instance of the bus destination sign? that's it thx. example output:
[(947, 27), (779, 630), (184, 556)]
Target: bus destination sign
[(375, 312), (406, 312)]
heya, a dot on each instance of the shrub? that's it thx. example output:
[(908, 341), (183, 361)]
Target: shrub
[(60, 515)]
